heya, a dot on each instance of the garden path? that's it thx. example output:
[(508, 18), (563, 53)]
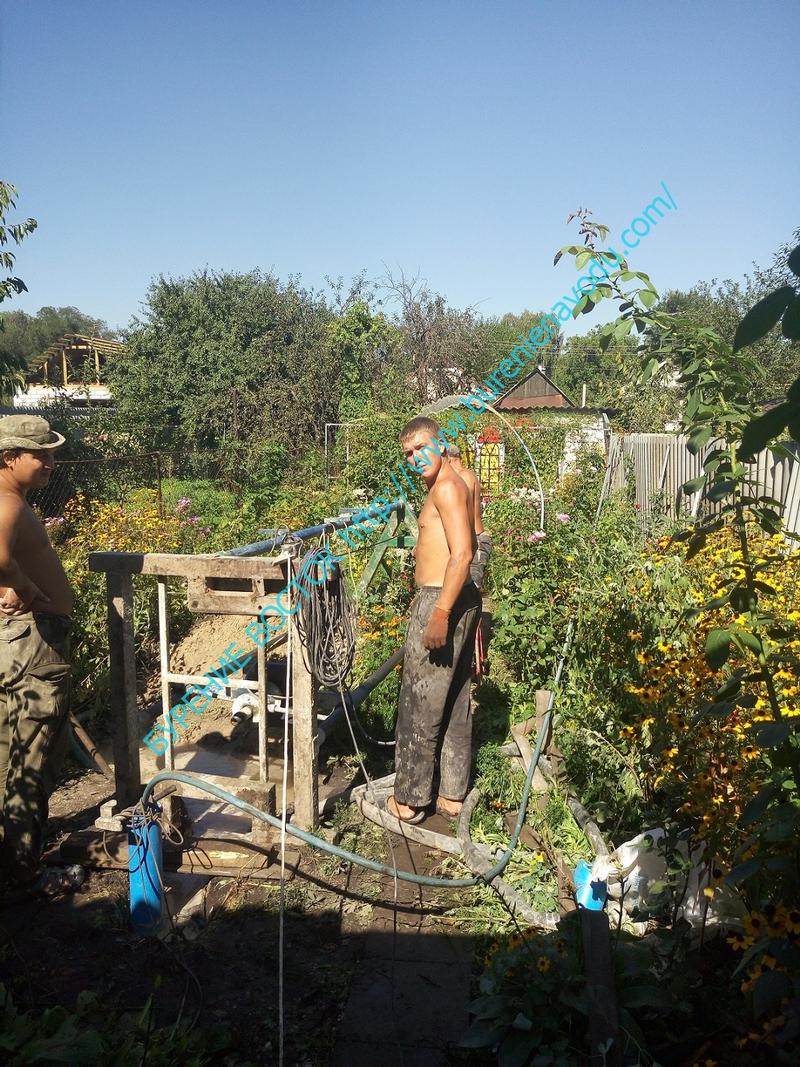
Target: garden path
[(408, 1000)]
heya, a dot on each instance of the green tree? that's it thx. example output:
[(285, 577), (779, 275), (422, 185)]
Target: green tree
[(226, 360), (504, 333), (11, 367)]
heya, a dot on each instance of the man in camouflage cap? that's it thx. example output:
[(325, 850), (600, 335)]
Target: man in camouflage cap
[(35, 620)]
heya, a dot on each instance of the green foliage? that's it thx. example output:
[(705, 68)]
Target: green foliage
[(535, 1001), (362, 344), (90, 1036), (28, 336), (222, 358), (12, 366)]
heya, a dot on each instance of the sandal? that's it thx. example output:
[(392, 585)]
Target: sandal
[(412, 820)]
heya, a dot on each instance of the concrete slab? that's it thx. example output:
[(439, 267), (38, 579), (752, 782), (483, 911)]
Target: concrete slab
[(425, 945)]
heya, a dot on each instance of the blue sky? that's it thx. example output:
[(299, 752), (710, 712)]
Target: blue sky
[(446, 138)]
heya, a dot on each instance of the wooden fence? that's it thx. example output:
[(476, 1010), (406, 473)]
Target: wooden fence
[(660, 463)]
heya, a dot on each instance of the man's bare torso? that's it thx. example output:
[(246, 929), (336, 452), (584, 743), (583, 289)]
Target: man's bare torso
[(37, 558), (432, 552)]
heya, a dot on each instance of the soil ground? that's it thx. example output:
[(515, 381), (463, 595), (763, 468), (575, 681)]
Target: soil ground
[(363, 986), (355, 993)]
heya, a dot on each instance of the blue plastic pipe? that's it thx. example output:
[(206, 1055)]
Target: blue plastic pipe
[(339, 523), (145, 871)]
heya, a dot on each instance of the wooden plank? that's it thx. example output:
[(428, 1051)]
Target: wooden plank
[(520, 735), (122, 698), (180, 566), (305, 749), (603, 1020), (231, 785)]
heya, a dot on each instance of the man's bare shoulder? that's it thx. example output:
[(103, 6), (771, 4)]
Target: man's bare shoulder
[(469, 477), (449, 491), (12, 507)]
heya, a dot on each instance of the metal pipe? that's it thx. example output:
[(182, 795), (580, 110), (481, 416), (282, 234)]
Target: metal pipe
[(341, 522), (360, 694)]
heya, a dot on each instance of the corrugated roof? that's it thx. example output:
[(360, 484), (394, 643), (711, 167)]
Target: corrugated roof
[(527, 408)]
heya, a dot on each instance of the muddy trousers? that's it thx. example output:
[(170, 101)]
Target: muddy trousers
[(434, 716), (34, 732)]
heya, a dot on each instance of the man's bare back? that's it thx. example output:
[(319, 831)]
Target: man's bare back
[(470, 479)]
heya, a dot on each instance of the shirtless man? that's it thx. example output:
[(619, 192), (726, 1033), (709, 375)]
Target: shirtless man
[(434, 708), (484, 549), (35, 610)]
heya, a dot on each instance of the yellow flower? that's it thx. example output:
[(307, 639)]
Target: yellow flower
[(543, 964)]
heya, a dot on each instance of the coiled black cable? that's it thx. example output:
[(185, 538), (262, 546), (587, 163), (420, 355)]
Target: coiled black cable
[(326, 621)]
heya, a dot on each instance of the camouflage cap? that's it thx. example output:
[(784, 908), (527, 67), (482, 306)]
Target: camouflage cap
[(28, 431)]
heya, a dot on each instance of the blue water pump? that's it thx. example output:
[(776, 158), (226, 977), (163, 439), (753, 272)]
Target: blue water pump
[(145, 870)]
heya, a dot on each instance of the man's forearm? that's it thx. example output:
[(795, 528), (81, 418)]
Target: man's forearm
[(13, 577), (455, 575)]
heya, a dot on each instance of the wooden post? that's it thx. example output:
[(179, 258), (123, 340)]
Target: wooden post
[(305, 747), (122, 651), (542, 700), (603, 1023)]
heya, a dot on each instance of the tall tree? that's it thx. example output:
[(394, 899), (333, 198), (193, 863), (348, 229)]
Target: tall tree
[(223, 359), (11, 367), (440, 343)]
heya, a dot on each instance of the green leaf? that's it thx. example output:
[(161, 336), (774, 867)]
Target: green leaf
[(790, 326), (694, 485), (516, 1049), (488, 1007), (696, 544), (762, 429), (649, 369), (758, 805), (747, 640), (483, 1034), (742, 871), (770, 734), (793, 262), (718, 648), (698, 438), (760, 319), (582, 259), (648, 297), (719, 490), (522, 1022), (769, 991)]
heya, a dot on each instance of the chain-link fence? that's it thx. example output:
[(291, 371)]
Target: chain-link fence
[(114, 479)]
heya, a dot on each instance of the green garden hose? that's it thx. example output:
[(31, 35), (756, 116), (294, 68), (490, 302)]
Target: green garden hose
[(353, 857)]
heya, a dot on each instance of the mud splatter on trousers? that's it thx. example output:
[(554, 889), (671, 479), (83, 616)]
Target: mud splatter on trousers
[(434, 718), (34, 731)]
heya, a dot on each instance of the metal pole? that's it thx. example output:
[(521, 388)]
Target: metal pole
[(341, 522)]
